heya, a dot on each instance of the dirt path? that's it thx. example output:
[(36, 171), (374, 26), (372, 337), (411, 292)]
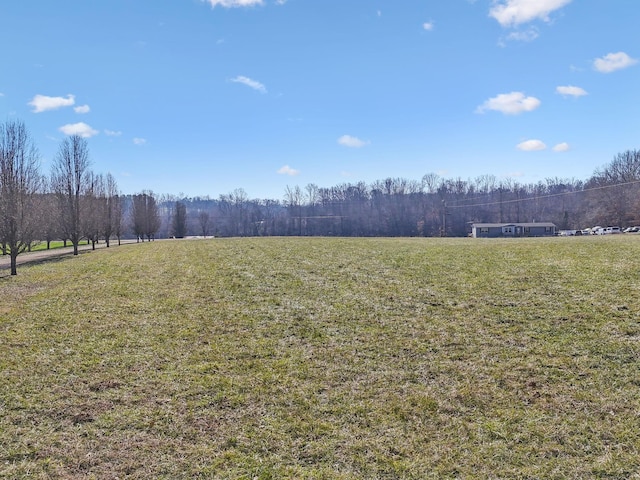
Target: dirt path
[(40, 255)]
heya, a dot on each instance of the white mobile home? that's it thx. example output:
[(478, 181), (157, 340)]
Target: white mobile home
[(501, 230)]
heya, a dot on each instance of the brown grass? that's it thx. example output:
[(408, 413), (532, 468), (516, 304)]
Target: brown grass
[(325, 358)]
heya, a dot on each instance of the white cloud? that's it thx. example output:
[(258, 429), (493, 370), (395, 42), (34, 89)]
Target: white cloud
[(510, 13), (570, 90), (82, 109), (233, 3), (250, 83), (428, 26), (353, 142), (613, 61), (139, 141), (531, 145), (561, 147), (42, 103), (287, 170), (510, 103), (81, 129), (112, 133), (528, 35)]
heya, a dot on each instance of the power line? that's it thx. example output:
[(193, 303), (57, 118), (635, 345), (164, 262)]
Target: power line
[(549, 195)]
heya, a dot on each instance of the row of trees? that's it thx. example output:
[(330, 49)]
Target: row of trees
[(20, 182), (432, 206), (72, 203)]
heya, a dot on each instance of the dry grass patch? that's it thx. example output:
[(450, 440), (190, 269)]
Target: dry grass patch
[(325, 358)]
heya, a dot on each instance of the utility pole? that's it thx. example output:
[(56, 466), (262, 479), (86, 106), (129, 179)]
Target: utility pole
[(444, 219)]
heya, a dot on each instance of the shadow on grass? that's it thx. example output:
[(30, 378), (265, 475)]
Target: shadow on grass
[(38, 258)]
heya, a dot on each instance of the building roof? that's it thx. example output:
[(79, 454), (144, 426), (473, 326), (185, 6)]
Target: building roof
[(532, 224)]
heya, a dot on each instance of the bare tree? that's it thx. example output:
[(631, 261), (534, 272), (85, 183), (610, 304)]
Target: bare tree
[(204, 220), (69, 181), (111, 208), (180, 220), (268, 225), (92, 208), (118, 216), (153, 222), (240, 201), (294, 200), (50, 226), (615, 190), (145, 217), (138, 207), (20, 183)]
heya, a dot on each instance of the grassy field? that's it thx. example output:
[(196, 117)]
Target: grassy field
[(325, 358)]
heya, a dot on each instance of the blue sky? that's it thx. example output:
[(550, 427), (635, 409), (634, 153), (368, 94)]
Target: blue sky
[(201, 97)]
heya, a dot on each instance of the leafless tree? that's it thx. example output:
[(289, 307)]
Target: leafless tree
[(145, 217), (615, 194), (138, 213), (179, 227), (69, 178), (204, 220), (234, 210), (118, 216), (20, 183), (92, 208), (111, 209), (268, 223), (49, 225), (153, 217), (294, 199), (240, 201)]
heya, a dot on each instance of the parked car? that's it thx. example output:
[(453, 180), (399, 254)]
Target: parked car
[(631, 230), (610, 230)]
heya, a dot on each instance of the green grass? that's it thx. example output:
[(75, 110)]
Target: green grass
[(325, 358), (52, 245)]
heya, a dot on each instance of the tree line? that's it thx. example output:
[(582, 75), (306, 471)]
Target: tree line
[(431, 206), (71, 203)]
